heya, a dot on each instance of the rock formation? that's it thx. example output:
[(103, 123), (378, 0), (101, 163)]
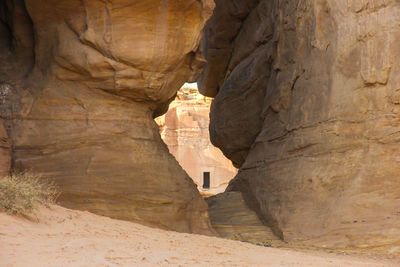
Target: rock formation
[(184, 128), (96, 74), (307, 105)]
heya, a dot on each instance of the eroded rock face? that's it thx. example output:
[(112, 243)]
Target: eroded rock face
[(84, 116), (307, 104)]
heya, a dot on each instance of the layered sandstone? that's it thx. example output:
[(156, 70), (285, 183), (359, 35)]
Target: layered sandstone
[(307, 104), (102, 70), (184, 128)]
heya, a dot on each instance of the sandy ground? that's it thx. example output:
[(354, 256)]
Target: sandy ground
[(62, 237)]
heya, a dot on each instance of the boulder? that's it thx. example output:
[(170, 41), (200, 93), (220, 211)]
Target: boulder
[(307, 105), (84, 115)]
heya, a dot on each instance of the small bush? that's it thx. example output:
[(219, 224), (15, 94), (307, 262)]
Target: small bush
[(20, 193)]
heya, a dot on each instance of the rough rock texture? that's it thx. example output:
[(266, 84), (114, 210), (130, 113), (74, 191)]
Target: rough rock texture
[(233, 219), (184, 128), (307, 104), (101, 71), (5, 159)]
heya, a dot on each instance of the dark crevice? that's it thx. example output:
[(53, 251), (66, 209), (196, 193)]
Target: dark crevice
[(17, 34)]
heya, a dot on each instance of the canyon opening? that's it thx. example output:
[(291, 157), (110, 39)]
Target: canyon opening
[(184, 128)]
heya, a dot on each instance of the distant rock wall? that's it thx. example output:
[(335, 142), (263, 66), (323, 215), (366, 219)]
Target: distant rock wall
[(102, 70), (307, 105), (184, 128)]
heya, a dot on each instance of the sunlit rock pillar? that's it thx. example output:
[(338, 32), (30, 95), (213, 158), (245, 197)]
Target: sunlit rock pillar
[(103, 70), (307, 105)]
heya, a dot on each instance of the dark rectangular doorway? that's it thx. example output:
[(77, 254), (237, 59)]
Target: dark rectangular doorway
[(206, 180)]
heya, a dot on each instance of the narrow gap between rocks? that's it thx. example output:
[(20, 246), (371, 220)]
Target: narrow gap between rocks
[(184, 128)]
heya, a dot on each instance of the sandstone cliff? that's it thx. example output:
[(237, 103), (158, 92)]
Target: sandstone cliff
[(91, 76), (307, 104)]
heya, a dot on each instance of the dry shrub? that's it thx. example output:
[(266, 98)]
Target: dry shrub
[(21, 193)]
